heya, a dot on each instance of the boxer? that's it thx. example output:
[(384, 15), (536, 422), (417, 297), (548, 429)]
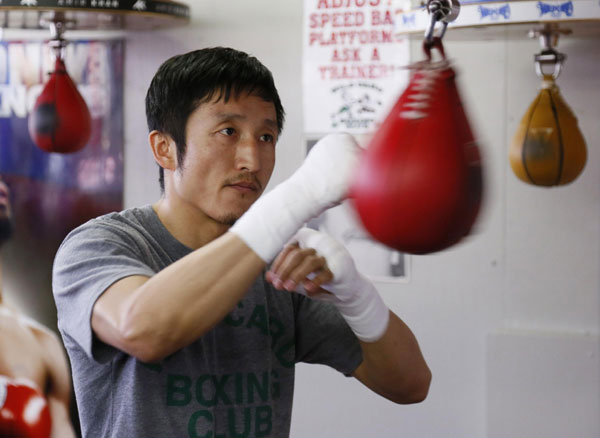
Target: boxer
[(35, 385), (174, 304)]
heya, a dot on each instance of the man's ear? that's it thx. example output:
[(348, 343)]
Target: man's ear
[(163, 149)]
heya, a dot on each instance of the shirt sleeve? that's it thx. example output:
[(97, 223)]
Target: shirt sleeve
[(323, 336), (91, 259)]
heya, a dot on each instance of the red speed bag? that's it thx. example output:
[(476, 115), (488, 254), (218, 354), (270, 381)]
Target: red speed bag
[(418, 186), (60, 120)]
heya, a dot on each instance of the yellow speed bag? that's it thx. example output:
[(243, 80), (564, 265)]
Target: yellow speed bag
[(548, 148)]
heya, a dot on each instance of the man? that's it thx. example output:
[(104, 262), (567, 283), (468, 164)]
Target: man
[(170, 324), (35, 385)]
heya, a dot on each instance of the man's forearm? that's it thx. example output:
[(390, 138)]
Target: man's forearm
[(180, 303), (394, 366)]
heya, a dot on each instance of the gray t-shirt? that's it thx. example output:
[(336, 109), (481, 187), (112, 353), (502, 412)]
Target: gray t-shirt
[(235, 381)]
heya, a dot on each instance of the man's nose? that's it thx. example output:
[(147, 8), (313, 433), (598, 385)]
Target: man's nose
[(248, 155)]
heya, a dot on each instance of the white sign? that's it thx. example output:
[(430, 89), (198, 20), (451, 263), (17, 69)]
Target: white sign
[(354, 64)]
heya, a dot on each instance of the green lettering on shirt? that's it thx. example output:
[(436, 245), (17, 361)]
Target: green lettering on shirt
[(220, 394), (231, 422), (277, 330), (263, 421), (192, 424), (259, 319), (284, 351), (178, 390), (261, 388), (274, 385), (233, 320)]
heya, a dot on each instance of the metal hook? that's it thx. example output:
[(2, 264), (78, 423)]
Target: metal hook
[(548, 36), (57, 24), (444, 11), (549, 57), (435, 42)]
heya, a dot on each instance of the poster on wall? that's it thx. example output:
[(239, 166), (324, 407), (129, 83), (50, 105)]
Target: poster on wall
[(354, 70), (354, 66), (52, 193)]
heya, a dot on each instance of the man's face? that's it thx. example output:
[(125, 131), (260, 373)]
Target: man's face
[(6, 225), (229, 158)]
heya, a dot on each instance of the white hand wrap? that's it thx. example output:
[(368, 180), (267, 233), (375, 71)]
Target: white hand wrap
[(321, 182), (354, 295)]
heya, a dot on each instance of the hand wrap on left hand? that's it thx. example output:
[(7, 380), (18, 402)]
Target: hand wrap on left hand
[(353, 294)]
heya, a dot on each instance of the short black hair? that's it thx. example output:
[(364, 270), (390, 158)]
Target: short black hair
[(185, 81)]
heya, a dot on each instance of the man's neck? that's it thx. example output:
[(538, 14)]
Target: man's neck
[(189, 226)]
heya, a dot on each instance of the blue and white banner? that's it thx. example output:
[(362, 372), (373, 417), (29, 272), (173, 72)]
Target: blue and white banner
[(486, 13)]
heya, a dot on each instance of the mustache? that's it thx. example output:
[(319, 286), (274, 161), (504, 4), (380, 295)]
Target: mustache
[(246, 178)]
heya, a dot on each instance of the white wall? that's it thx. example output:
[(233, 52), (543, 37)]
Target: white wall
[(523, 289)]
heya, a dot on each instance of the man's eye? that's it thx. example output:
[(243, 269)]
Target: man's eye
[(228, 131), (267, 137)]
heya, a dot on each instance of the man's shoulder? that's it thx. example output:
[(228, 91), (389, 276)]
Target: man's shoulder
[(134, 215), (129, 219), (128, 227)]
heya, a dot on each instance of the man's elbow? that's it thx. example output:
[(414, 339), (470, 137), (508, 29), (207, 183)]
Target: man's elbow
[(421, 389), (142, 344), (146, 353), (414, 390)]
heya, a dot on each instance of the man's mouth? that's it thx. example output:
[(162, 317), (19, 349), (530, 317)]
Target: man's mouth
[(244, 187)]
